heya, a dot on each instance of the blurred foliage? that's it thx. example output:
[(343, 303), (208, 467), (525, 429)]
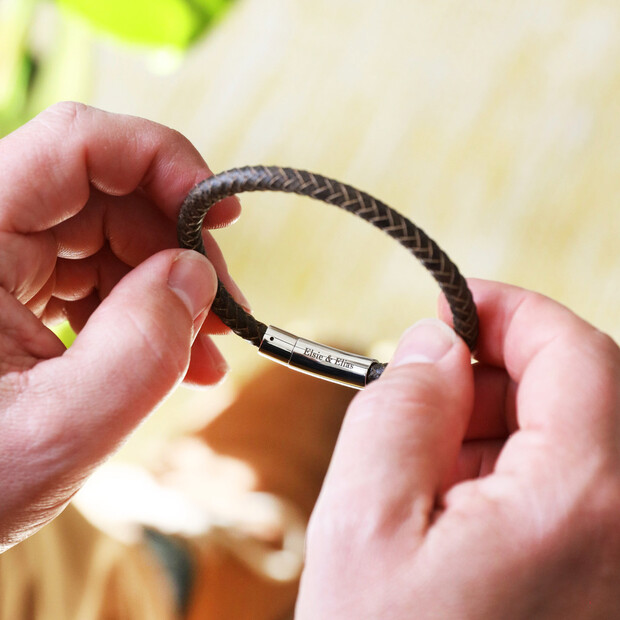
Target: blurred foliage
[(15, 62), (31, 78), (65, 333), (175, 23)]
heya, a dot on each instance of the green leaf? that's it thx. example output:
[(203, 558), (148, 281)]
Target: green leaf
[(15, 62), (65, 333), (163, 23)]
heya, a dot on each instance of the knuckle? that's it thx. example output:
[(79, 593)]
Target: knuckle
[(64, 113)]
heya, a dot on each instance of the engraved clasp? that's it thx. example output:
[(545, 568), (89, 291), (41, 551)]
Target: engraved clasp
[(315, 359)]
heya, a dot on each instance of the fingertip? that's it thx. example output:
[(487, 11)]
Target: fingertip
[(193, 279), (426, 342), (223, 213), (443, 310), (207, 367), (214, 253)]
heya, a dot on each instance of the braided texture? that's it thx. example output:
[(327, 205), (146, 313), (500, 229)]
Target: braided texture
[(271, 178)]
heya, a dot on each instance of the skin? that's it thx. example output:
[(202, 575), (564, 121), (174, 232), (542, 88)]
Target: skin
[(477, 492), (88, 207)]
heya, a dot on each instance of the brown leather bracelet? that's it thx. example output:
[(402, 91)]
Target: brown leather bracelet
[(299, 353)]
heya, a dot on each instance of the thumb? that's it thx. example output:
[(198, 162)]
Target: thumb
[(134, 349), (66, 414), (401, 436)]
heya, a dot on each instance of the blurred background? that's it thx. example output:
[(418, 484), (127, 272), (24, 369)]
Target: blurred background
[(494, 126)]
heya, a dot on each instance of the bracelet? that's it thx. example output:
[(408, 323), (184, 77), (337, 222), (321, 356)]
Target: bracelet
[(306, 355)]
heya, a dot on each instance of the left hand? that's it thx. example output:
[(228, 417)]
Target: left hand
[(88, 208)]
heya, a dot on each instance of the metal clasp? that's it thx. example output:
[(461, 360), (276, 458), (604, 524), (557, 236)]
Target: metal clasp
[(315, 359)]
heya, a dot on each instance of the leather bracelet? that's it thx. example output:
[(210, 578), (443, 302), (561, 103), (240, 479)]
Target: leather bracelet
[(298, 353)]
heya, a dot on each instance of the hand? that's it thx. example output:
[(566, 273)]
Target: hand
[(88, 206), (477, 492)]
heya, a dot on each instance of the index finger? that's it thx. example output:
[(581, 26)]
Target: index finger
[(48, 166), (567, 372)]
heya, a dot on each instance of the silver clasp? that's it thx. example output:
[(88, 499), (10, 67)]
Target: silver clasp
[(315, 359)]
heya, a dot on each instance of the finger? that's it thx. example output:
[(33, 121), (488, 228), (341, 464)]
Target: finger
[(77, 279), (55, 312), (84, 233), (568, 373), (72, 146), (213, 325), (476, 459), (222, 214), (64, 415), (26, 263), (494, 412), (214, 253), (93, 278), (78, 312), (80, 406), (132, 226), (401, 436), (492, 421), (121, 220), (24, 340), (132, 352), (207, 365)]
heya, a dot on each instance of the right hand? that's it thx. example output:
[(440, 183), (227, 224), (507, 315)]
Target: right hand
[(487, 492)]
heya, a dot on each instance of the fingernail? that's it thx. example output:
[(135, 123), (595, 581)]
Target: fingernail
[(426, 342), (193, 279), (198, 322)]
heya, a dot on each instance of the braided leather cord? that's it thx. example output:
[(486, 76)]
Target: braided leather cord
[(271, 178)]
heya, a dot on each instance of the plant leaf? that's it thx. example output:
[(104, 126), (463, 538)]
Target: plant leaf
[(162, 23)]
